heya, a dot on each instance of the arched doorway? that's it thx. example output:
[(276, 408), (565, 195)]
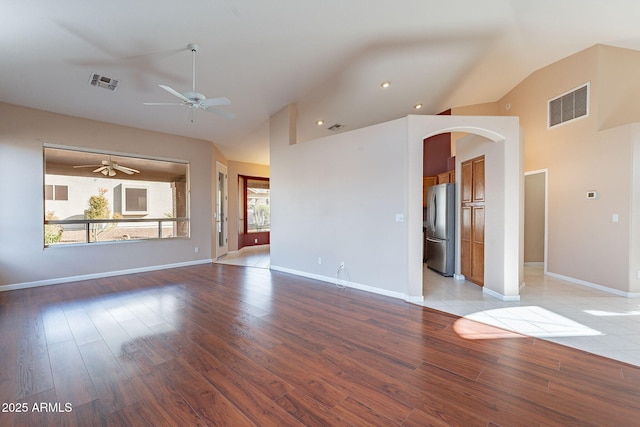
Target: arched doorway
[(498, 139)]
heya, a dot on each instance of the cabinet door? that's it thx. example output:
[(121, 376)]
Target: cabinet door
[(443, 178), (478, 179), (472, 220)]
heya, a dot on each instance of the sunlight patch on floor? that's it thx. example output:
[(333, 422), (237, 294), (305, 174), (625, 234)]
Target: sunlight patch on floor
[(601, 313), (533, 321)]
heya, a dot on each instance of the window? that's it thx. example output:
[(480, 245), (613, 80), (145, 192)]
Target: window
[(115, 197), (130, 200), (135, 200), (257, 205), (569, 106), (56, 192)]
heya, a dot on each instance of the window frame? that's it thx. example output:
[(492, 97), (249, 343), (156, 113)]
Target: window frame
[(181, 225), (245, 202)]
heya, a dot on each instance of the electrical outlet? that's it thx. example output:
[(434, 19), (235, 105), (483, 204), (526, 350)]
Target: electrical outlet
[(196, 249), (319, 260)]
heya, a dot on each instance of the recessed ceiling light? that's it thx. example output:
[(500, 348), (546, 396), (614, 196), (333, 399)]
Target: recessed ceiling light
[(417, 106), (320, 122), (385, 84)]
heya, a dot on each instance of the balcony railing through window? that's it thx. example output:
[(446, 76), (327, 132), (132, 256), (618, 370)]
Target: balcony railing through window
[(78, 231)]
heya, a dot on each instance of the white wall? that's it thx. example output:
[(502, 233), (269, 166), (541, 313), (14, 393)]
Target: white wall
[(338, 198), (23, 261)]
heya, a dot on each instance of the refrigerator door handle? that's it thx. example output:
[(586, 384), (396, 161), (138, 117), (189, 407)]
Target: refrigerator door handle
[(430, 239), (434, 211)]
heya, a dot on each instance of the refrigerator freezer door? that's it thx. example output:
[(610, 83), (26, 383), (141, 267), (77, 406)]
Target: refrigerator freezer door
[(437, 255)]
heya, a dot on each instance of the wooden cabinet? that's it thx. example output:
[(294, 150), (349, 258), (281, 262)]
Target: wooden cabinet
[(447, 177), (427, 181), (472, 220)]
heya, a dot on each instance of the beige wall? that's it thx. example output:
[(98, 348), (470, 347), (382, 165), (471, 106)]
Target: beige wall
[(23, 261), (235, 216), (583, 242), (619, 86)]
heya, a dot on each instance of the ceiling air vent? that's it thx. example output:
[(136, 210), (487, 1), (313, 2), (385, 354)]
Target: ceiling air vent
[(335, 127), (103, 81), (569, 106)]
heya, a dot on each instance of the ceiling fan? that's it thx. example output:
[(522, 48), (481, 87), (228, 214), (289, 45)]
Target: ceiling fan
[(109, 168), (195, 100)]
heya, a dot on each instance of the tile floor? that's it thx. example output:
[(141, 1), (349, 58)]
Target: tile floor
[(249, 256), (551, 309)]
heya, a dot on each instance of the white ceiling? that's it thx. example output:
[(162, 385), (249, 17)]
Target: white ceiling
[(329, 57)]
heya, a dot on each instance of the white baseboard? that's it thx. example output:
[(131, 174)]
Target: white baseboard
[(499, 296), (594, 285), (353, 285), (60, 280)]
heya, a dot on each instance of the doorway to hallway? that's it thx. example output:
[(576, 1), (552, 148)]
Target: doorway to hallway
[(535, 218)]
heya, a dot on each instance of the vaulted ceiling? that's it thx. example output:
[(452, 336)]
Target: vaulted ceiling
[(329, 57)]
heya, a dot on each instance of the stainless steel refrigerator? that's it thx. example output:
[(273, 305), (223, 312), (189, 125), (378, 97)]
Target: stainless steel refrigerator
[(440, 228)]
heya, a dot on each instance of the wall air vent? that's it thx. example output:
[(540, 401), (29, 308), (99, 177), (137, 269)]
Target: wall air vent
[(103, 82), (335, 127), (569, 106)]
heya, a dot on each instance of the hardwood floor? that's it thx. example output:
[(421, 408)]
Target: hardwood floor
[(224, 345)]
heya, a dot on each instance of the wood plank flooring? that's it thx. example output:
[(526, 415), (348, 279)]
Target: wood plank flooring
[(224, 345)]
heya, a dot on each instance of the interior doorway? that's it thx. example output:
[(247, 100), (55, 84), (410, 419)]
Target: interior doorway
[(221, 215), (535, 218)]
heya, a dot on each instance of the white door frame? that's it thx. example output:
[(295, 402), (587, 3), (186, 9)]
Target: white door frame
[(221, 214)]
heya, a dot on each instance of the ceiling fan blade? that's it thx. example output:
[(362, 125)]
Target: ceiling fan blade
[(175, 93), (128, 171), (102, 169), (162, 103), (210, 102), (86, 166), (226, 114)]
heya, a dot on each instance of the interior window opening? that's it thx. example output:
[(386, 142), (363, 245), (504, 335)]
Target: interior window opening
[(94, 197)]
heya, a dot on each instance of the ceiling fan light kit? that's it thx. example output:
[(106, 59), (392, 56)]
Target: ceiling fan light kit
[(195, 100), (109, 168)]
